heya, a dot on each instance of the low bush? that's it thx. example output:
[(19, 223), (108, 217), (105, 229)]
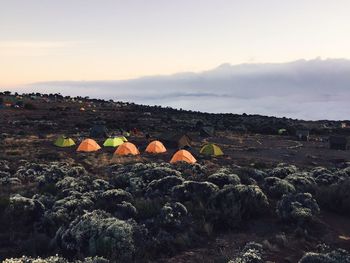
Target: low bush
[(23, 211), (97, 233), (224, 177), (335, 256), (54, 259), (276, 187), (256, 174), (198, 192), (251, 253), (172, 215), (233, 203), (283, 170), (335, 197), (164, 186), (300, 208), (303, 182)]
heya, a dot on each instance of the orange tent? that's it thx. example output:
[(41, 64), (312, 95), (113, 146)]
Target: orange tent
[(155, 147), (88, 145), (183, 156), (127, 148)]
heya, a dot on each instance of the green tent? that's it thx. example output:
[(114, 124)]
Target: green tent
[(282, 131), (211, 149), (63, 141), (123, 138), (113, 142)]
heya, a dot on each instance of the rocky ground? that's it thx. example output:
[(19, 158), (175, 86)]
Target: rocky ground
[(269, 198)]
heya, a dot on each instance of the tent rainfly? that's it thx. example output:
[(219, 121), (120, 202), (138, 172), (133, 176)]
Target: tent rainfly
[(180, 141), (127, 148), (63, 141), (183, 156), (113, 142), (88, 145), (155, 147), (211, 149)]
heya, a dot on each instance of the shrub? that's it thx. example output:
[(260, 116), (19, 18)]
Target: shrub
[(4, 166), (172, 215), (302, 182), (223, 177), (194, 191), (232, 203), (283, 170), (98, 233), (276, 187), (135, 178), (251, 253), (54, 259), (253, 173), (100, 185), (115, 196), (335, 197), (324, 176), (125, 210), (327, 179), (47, 200), (117, 202), (158, 173), (190, 170), (47, 174), (317, 171), (253, 200), (66, 209), (148, 208), (335, 256), (69, 183), (6, 179), (164, 186), (345, 173), (299, 208), (24, 211)]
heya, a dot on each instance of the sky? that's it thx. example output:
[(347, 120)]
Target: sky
[(83, 40)]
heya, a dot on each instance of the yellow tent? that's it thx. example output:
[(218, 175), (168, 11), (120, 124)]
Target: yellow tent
[(63, 141), (211, 149)]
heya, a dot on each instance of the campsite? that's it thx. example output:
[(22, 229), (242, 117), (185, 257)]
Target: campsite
[(174, 185)]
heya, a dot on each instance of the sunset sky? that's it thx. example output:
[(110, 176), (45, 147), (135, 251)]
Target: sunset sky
[(44, 40)]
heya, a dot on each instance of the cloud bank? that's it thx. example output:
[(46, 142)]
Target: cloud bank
[(305, 89)]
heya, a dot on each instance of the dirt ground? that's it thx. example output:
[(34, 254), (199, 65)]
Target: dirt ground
[(27, 136)]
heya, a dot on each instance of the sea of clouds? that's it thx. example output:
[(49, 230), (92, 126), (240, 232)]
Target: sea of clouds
[(304, 89)]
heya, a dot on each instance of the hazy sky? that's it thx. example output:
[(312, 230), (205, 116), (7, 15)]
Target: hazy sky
[(43, 40)]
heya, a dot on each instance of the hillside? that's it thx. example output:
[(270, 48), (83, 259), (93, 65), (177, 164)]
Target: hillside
[(287, 196)]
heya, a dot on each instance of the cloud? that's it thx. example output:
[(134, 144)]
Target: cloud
[(313, 89), (32, 48)]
